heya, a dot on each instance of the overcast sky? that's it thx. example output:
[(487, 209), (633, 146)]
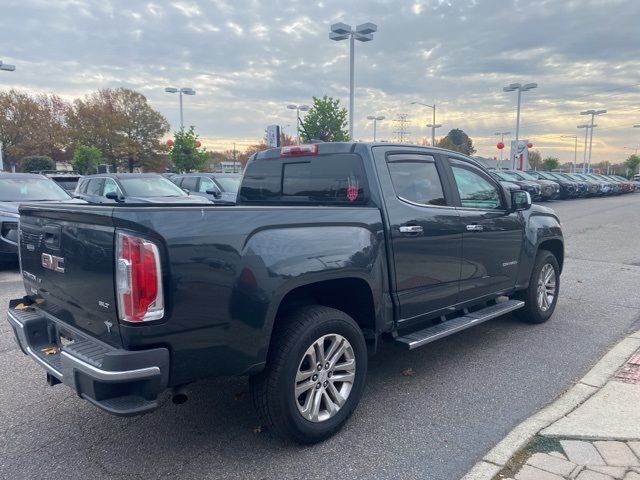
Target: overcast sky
[(248, 59)]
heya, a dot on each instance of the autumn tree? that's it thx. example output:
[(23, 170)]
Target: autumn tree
[(457, 141), (31, 125), (186, 153), (535, 159), (550, 163), (86, 159), (326, 120), (122, 125)]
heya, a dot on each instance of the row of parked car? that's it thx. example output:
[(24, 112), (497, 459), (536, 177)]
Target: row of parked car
[(544, 186), (69, 187)]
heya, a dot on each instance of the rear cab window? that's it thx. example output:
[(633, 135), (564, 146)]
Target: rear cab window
[(331, 179), (415, 179)]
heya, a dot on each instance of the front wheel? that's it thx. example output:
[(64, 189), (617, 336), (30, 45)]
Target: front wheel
[(541, 296), (315, 374)]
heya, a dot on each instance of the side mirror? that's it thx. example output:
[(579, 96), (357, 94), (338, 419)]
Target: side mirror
[(114, 196), (187, 191), (520, 200), (215, 193)]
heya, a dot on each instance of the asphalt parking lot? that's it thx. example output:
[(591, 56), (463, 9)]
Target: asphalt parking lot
[(467, 391)]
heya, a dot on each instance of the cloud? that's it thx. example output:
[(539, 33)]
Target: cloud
[(247, 59)]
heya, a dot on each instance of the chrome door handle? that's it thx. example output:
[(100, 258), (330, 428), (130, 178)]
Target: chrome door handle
[(411, 229), (475, 228)]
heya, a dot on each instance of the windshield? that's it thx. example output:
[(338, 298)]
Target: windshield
[(30, 189), (229, 184), (526, 176), (150, 187), (508, 176)]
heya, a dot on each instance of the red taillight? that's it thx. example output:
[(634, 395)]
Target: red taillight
[(299, 150), (138, 279)]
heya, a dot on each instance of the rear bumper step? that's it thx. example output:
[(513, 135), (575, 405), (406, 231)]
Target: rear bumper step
[(121, 382), (431, 334)]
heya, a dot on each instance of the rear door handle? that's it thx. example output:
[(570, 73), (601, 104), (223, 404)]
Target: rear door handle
[(411, 229), (475, 228)]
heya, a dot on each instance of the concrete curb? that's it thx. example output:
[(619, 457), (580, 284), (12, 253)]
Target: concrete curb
[(498, 456)]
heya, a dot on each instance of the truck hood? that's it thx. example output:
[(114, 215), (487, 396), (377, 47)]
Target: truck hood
[(187, 199)]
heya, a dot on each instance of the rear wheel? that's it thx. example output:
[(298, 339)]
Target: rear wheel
[(542, 294), (314, 376)]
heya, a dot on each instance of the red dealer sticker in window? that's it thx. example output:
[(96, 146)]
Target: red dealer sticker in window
[(353, 186)]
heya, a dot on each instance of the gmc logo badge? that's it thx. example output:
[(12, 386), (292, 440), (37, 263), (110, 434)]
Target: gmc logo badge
[(53, 263)]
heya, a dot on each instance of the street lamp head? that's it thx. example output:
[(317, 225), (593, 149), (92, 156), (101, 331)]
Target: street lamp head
[(431, 125), (171, 90), (341, 28), (363, 38), (292, 107), (371, 117), (585, 125), (338, 36), (7, 68), (636, 126), (600, 112), (529, 86), (512, 87), (188, 91), (303, 108), (381, 117), (366, 28)]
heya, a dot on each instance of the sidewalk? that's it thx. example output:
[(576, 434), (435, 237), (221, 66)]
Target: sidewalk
[(592, 432)]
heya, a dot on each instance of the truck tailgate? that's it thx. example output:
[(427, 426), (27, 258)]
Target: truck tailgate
[(67, 264)]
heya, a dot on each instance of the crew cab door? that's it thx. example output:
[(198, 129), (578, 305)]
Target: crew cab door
[(492, 235), (424, 231)]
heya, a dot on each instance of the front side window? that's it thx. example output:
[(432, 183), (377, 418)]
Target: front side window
[(110, 186), (155, 186), (13, 189), (206, 184), (189, 183), (94, 187), (416, 181), (475, 191)]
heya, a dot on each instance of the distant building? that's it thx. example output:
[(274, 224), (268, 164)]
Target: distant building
[(226, 167)]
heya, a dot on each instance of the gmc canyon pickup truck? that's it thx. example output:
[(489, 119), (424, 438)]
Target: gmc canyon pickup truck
[(330, 249)]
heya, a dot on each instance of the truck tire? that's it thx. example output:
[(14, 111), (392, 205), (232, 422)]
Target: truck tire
[(541, 297), (314, 376)]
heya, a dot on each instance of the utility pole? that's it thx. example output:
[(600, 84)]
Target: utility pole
[(401, 127)]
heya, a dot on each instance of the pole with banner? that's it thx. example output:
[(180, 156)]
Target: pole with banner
[(273, 136), (519, 155)]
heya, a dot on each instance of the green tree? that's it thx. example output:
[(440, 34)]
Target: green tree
[(86, 159), (535, 159), (326, 120), (632, 164), (457, 141), (35, 163), (550, 163), (186, 154)]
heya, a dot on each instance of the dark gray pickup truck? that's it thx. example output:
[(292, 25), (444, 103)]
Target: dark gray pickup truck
[(330, 249)]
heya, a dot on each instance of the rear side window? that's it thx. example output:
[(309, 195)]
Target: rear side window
[(337, 179), (417, 180)]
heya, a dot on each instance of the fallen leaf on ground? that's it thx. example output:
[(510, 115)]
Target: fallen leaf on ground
[(20, 306), (257, 429), (241, 394), (50, 350), (408, 372)]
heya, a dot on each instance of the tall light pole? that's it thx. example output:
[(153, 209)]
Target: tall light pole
[(586, 126), (433, 130), (186, 91), (593, 113), (575, 149), (298, 109), (375, 119), (520, 88), (362, 33), (7, 68), (433, 127), (501, 135)]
